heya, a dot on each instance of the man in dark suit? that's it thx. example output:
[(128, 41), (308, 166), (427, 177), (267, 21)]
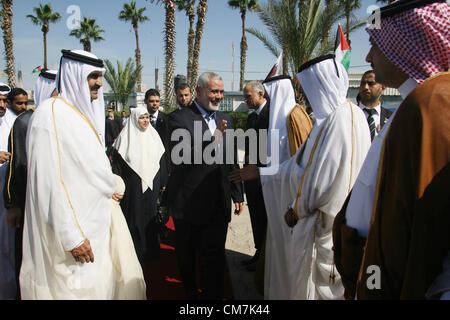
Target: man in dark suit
[(113, 126), (159, 120), (199, 194), (370, 92), (257, 120)]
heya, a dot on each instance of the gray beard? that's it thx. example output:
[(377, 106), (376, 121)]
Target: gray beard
[(211, 107)]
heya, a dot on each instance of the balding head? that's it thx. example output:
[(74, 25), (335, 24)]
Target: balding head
[(254, 94)]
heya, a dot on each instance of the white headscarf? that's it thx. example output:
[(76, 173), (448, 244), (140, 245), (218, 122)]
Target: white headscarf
[(44, 88), (323, 88), (6, 89), (141, 150), (75, 89), (282, 101)]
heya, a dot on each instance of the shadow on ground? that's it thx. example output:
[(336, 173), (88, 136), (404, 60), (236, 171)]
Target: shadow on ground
[(244, 285)]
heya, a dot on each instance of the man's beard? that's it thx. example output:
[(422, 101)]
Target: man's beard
[(2, 111), (368, 100), (212, 107)]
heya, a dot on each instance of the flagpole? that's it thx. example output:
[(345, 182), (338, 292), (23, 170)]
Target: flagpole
[(338, 36)]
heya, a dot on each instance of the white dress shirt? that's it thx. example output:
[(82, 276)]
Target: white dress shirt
[(258, 111), (210, 119), (376, 116), (153, 118)]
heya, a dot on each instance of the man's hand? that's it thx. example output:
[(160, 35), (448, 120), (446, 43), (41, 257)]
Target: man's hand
[(14, 218), (239, 207), (247, 173), (222, 126), (83, 253), (4, 156), (117, 197), (220, 131)]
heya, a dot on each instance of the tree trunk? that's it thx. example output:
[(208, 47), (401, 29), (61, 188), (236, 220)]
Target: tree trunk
[(191, 40), (138, 59), (347, 29), (326, 36), (243, 51), (7, 40), (45, 49), (87, 45), (169, 96), (201, 17)]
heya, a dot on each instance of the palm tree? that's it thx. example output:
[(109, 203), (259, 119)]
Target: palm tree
[(297, 28), (86, 32), (6, 21), (243, 6), (123, 80), (169, 47), (326, 36), (189, 7), (44, 16), (202, 8), (349, 6), (131, 13)]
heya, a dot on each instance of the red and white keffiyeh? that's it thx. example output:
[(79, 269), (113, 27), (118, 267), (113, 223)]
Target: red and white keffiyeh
[(417, 41)]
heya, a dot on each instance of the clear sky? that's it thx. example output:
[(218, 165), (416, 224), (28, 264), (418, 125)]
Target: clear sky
[(222, 28)]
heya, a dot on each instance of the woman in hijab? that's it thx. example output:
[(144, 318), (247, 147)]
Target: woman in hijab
[(136, 158)]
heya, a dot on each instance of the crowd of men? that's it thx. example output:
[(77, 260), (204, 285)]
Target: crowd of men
[(353, 203)]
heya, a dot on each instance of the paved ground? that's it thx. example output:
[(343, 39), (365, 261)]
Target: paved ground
[(240, 246)]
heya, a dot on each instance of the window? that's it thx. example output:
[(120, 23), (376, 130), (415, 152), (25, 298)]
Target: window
[(226, 104)]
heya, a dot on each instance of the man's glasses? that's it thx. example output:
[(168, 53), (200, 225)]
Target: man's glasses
[(22, 102)]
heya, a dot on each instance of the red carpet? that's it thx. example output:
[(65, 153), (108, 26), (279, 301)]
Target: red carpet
[(162, 276)]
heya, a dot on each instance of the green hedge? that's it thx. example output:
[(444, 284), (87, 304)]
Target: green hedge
[(239, 119)]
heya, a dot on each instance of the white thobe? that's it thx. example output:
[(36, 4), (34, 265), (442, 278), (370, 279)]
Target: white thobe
[(338, 149), (69, 189), (7, 255), (282, 101)]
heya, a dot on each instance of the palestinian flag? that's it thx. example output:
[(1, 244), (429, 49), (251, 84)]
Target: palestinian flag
[(342, 49), (37, 69), (277, 69)]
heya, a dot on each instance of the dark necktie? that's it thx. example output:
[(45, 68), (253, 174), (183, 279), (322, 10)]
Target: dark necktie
[(153, 121), (371, 121)]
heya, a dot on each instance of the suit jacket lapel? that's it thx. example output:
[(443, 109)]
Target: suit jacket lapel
[(198, 117)]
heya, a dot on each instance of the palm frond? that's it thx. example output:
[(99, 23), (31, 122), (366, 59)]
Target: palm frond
[(122, 79), (265, 40)]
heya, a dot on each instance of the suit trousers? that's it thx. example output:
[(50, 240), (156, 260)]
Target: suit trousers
[(201, 248), (257, 211)]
